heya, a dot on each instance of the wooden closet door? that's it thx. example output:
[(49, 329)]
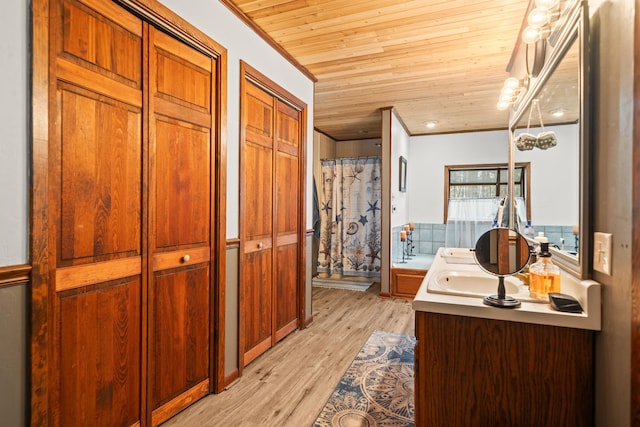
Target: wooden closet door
[(180, 109), (287, 219), (270, 218), (95, 214), (256, 284)]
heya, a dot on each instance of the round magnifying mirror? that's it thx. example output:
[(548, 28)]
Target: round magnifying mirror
[(502, 252)]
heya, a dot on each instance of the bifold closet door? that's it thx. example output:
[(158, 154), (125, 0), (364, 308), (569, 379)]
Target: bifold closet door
[(180, 238), (95, 214), (270, 219), (287, 219), (256, 292), (130, 218)]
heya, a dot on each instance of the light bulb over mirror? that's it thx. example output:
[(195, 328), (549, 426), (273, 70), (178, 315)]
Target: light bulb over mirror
[(503, 105), (546, 4), (511, 82), (531, 35), (538, 17)]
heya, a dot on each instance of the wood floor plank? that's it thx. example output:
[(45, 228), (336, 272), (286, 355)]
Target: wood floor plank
[(290, 384)]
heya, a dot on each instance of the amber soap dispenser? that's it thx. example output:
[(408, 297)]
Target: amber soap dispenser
[(544, 275)]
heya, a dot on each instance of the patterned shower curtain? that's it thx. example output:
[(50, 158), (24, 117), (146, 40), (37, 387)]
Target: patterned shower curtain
[(350, 204)]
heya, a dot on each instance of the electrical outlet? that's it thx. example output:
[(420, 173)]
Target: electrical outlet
[(602, 252)]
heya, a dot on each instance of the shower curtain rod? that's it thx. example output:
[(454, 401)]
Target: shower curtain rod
[(353, 158)]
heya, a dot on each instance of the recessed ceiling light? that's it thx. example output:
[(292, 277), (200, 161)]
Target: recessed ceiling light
[(558, 113), (431, 124)]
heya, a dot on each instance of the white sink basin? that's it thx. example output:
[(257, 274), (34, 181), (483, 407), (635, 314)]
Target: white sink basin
[(475, 284), (458, 256)]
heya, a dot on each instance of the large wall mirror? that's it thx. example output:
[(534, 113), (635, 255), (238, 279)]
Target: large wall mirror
[(555, 112)]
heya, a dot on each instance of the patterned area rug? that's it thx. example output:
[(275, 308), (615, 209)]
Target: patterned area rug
[(377, 389)]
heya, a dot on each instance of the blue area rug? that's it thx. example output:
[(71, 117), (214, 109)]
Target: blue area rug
[(377, 389)]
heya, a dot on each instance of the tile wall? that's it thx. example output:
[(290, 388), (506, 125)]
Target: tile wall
[(427, 238)]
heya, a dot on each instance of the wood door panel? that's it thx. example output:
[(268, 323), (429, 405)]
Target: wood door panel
[(181, 187), (287, 198), (179, 346), (257, 297), (100, 354), (102, 44), (288, 129), (183, 82), (183, 180), (286, 287), (258, 203), (181, 113), (258, 116), (100, 174)]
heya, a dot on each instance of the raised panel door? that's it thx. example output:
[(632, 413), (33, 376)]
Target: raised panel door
[(100, 368), (256, 265), (180, 229), (95, 215), (287, 219), (270, 218)]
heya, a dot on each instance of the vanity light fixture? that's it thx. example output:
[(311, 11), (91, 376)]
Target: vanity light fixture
[(540, 20), (511, 89)]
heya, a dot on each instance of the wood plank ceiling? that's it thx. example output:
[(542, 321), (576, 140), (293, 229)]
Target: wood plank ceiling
[(433, 60)]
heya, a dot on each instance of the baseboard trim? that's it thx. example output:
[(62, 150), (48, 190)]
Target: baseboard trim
[(308, 321), (385, 295), (231, 378)]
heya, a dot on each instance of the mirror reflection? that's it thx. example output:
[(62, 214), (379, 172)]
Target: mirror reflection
[(502, 251), (547, 138)]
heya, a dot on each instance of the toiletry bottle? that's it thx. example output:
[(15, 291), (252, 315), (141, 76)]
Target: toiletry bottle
[(544, 276), (539, 239), (529, 231)]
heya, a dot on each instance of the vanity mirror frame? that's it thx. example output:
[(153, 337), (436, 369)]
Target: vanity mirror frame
[(574, 27)]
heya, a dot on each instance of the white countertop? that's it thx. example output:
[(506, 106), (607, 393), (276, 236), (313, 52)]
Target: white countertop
[(587, 292)]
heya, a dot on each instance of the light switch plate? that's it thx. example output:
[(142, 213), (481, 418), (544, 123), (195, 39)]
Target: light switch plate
[(602, 252)]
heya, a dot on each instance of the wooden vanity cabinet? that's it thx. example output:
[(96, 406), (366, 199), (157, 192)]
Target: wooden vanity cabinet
[(405, 282), (483, 372)]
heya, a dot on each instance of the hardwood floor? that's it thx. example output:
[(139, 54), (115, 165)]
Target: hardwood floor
[(289, 384)]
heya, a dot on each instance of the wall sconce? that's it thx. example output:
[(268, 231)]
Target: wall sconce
[(539, 21), (510, 92)]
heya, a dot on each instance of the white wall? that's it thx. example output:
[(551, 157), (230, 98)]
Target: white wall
[(555, 188), (428, 154), (554, 172), (14, 214), (221, 25), (399, 147), (14, 125)]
